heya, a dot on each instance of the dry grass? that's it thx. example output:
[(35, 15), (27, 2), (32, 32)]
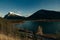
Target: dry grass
[(5, 37)]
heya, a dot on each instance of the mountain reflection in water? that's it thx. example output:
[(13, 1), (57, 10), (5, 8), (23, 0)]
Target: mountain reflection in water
[(48, 27)]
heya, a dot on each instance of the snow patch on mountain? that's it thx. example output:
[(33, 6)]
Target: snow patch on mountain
[(13, 13)]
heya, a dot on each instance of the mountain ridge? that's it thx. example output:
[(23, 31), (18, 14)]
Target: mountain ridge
[(45, 14), (13, 16)]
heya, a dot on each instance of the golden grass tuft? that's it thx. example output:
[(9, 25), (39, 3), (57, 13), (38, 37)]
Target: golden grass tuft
[(5, 37)]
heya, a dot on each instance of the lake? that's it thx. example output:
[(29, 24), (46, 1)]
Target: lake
[(48, 27)]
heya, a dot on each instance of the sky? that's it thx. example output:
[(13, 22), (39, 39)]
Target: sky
[(27, 7)]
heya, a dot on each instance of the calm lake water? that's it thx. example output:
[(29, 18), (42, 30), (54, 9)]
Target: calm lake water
[(48, 27)]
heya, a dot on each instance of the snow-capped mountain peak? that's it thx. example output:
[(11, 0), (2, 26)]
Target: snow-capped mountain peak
[(12, 13)]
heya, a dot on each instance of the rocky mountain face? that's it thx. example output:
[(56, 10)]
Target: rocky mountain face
[(45, 14)]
